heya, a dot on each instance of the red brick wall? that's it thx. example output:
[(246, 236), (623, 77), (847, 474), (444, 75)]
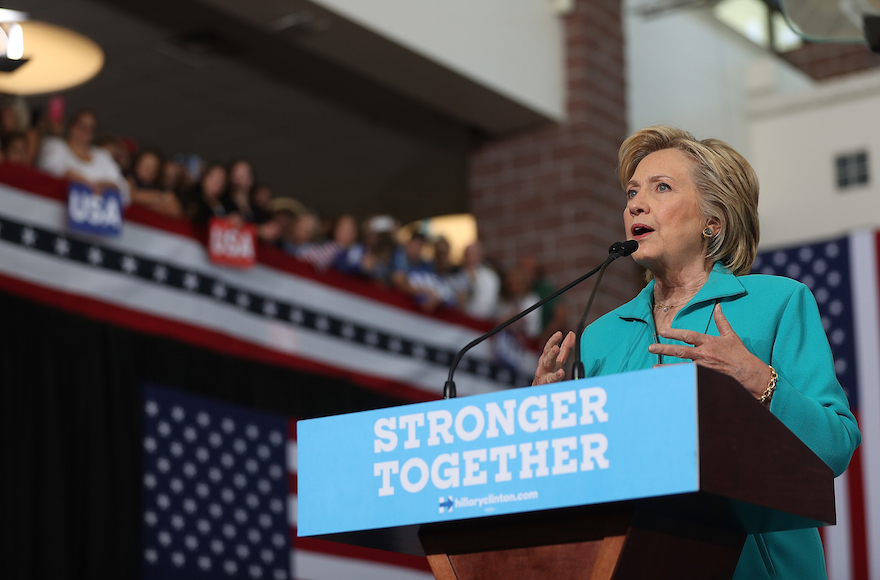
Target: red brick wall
[(553, 192)]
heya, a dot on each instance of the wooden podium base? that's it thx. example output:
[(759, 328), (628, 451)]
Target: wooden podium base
[(622, 546)]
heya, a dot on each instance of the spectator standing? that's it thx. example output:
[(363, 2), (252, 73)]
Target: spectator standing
[(241, 184), (77, 159), (484, 283), (451, 282), (15, 119), (555, 312), (414, 276), (344, 236), (284, 213), (302, 235), (145, 181), (372, 259), (15, 148), (516, 296), (210, 198), (261, 199), (121, 150)]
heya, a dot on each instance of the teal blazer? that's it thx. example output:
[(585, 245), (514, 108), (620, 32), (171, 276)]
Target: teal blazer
[(778, 321)]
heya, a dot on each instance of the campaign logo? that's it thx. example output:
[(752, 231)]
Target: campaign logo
[(446, 504), (89, 212)]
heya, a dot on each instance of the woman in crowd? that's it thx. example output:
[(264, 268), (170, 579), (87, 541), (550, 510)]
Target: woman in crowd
[(484, 285), (146, 185), (344, 234), (693, 207), (210, 198), (380, 232), (241, 185), (77, 159)]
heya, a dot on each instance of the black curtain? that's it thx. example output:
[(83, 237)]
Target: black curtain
[(71, 431)]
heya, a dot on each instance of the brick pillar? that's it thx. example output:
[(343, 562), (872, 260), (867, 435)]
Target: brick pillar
[(553, 192)]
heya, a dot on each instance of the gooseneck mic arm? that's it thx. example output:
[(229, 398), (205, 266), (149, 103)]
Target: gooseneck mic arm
[(617, 250)]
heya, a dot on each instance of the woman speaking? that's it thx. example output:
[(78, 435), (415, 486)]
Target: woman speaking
[(693, 207)]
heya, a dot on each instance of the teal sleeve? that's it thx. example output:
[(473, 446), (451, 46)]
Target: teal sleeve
[(808, 399)]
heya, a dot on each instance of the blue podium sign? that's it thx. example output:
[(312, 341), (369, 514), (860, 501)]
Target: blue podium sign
[(592, 441)]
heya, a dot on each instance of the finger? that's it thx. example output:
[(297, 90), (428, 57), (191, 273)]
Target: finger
[(659, 365), (566, 348), (688, 336), (721, 322), (676, 350), (552, 341), (548, 359), (550, 377), (548, 356)]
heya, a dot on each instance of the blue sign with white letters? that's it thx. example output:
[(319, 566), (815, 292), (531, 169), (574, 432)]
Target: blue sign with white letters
[(94, 213), (591, 441)]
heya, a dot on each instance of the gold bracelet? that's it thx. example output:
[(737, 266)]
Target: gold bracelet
[(771, 387)]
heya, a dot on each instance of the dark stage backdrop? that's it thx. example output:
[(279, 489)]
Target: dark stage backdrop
[(72, 436)]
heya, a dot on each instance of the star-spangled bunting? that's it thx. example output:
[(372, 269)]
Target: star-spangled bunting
[(169, 275)]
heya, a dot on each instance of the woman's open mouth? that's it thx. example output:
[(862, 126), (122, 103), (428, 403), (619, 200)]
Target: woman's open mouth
[(640, 231)]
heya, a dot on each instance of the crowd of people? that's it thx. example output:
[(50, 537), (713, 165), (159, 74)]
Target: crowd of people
[(182, 187)]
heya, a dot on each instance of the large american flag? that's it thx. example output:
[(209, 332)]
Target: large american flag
[(220, 500), (843, 275)]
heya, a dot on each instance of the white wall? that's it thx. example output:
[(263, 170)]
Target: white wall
[(685, 68), (514, 47), (794, 142)]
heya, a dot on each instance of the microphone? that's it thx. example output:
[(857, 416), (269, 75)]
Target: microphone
[(618, 249), (622, 249)]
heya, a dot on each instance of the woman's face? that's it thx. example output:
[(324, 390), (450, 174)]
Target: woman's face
[(346, 232), (663, 213), (82, 130), (241, 176), (214, 182), (147, 168)]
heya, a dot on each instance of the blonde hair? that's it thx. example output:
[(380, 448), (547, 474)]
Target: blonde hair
[(727, 184)]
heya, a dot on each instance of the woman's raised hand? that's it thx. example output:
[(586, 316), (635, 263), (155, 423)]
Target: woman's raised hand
[(725, 353), (552, 362)]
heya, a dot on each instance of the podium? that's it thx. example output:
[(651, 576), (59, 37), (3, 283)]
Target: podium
[(650, 474)]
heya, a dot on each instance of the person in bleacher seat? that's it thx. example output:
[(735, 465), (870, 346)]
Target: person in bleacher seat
[(371, 258), (301, 238), (344, 235), (121, 150), (516, 296), (145, 181), (261, 199), (210, 199), (413, 275), (450, 281), (484, 284), (240, 186), (76, 158), (15, 148), (553, 314)]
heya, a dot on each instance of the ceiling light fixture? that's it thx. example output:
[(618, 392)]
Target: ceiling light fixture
[(11, 40), (58, 58)]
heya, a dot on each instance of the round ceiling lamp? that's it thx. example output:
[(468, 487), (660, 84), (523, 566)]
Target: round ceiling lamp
[(57, 58)]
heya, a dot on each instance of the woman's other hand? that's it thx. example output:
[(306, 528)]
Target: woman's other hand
[(725, 353), (552, 362)]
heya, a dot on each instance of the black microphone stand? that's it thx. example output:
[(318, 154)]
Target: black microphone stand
[(617, 250)]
